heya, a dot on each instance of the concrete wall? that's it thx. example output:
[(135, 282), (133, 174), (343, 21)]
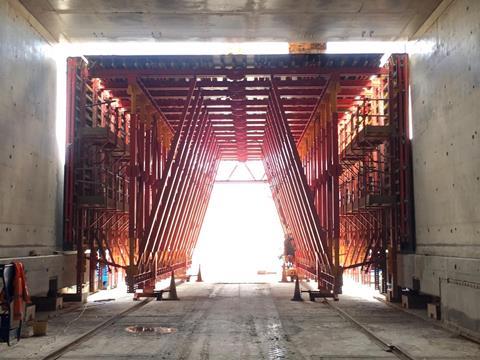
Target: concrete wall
[(40, 269), (31, 173), (445, 81)]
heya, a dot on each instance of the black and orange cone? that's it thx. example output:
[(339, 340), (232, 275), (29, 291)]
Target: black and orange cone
[(199, 275), (297, 296), (172, 294)]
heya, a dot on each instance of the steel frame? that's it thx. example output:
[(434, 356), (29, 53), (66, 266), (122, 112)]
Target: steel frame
[(292, 195), (357, 164), (96, 218), (235, 89), (184, 190), (144, 141)]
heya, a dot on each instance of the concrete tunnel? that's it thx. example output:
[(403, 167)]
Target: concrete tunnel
[(117, 117)]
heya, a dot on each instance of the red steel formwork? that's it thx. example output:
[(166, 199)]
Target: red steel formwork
[(356, 156), (146, 134)]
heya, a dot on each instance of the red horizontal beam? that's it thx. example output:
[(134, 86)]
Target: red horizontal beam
[(156, 84), (231, 117), (122, 73), (251, 103), (168, 93), (228, 109)]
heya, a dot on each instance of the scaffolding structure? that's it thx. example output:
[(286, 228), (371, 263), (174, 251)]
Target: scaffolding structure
[(145, 136), (356, 156)]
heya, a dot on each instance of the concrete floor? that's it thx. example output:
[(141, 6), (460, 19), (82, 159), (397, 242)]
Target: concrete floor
[(244, 321)]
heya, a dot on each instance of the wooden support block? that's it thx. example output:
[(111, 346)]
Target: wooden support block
[(75, 297), (146, 293), (390, 297), (47, 303), (433, 311), (58, 303), (414, 301)]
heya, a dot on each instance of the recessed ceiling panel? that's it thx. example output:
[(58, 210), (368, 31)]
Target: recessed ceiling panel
[(273, 20)]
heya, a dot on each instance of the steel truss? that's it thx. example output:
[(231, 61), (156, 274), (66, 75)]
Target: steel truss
[(181, 199), (294, 199), (145, 136), (357, 165), (127, 199)]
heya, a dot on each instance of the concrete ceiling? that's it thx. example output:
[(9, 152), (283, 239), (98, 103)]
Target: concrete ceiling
[(236, 20)]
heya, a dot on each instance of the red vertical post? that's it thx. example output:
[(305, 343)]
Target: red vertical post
[(402, 213), (132, 201), (336, 204)]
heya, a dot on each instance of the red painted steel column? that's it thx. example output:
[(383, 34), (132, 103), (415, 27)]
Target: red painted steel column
[(132, 202)]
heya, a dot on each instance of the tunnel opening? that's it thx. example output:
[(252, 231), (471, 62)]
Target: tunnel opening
[(146, 136), (242, 238)]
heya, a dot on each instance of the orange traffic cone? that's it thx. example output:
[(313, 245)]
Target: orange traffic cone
[(297, 296), (199, 275), (172, 294)]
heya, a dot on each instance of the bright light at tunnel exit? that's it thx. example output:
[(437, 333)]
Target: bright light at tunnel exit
[(241, 234)]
